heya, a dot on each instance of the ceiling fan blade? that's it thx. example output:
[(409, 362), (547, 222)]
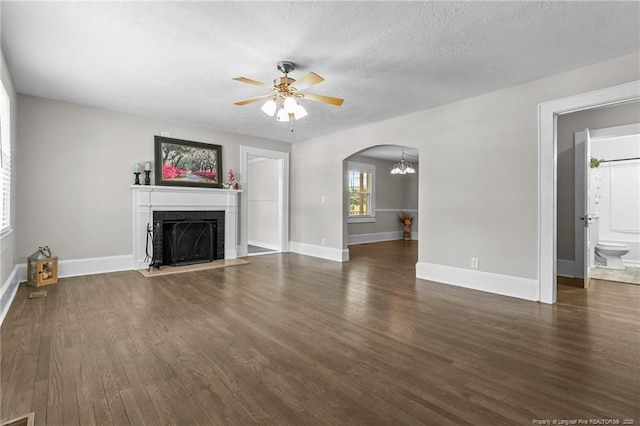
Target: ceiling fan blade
[(307, 80), (254, 82), (251, 100), (325, 99)]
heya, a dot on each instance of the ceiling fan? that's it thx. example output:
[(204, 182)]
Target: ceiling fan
[(285, 91)]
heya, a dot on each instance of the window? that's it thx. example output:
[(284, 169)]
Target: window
[(361, 181), (5, 160)]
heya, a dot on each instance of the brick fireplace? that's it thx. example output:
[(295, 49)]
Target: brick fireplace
[(198, 206)]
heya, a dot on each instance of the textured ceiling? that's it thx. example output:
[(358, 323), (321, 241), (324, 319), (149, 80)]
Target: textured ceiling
[(175, 60)]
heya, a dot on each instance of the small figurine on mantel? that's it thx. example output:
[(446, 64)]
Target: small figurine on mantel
[(232, 180)]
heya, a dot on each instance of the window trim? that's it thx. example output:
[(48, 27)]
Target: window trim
[(369, 168)]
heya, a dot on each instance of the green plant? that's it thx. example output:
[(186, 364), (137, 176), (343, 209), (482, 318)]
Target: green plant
[(594, 163)]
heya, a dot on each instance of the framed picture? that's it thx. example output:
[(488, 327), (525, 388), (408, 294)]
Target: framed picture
[(186, 163)]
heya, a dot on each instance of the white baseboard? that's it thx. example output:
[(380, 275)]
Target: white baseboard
[(89, 266), (265, 245), (566, 268), (506, 285), (330, 253), (377, 237), (8, 292), (632, 263)]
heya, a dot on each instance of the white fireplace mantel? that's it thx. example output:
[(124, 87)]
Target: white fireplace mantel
[(147, 199)]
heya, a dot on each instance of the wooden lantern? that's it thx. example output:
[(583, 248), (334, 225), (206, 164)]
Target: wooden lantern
[(42, 268)]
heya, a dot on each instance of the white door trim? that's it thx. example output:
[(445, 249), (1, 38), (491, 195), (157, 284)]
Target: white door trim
[(547, 173), (245, 152)]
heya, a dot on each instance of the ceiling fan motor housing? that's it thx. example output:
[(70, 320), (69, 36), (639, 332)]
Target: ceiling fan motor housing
[(286, 66), (282, 83)]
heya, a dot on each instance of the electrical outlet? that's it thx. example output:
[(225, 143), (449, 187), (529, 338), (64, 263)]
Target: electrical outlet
[(474, 262), (322, 241), (322, 199), (166, 134)]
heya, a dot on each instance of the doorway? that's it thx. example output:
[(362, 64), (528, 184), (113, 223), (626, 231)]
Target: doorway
[(264, 212), (548, 113), (380, 196), (609, 196)]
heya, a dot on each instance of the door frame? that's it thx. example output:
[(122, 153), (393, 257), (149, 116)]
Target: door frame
[(245, 152), (547, 173)]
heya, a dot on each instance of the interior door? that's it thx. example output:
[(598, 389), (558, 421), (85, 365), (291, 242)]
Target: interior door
[(585, 218)]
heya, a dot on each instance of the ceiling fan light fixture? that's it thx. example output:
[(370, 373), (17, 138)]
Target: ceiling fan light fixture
[(269, 107), (300, 112), (290, 105), (283, 115)]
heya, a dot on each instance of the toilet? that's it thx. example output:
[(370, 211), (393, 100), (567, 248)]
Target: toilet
[(609, 255)]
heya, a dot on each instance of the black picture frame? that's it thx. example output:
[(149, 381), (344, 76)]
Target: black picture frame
[(180, 162)]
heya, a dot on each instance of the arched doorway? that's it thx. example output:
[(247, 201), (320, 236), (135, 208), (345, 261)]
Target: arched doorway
[(374, 198)]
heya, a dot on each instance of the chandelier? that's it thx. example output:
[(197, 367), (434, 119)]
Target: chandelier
[(402, 167)]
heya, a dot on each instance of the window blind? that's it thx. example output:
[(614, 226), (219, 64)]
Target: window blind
[(5, 160)]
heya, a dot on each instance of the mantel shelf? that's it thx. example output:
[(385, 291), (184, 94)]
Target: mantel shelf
[(148, 188)]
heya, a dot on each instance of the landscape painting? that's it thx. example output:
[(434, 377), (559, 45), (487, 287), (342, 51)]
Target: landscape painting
[(186, 163)]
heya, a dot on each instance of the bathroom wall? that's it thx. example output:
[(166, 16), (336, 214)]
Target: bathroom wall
[(619, 206)]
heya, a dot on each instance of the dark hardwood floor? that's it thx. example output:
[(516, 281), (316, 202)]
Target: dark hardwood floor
[(296, 340)]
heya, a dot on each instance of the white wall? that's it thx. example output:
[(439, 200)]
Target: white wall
[(478, 181), (75, 172), (264, 203), (393, 194)]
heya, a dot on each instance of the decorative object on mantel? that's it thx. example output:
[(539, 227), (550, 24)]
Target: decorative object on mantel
[(42, 267), (232, 180), (147, 172), (187, 163), (136, 172), (405, 218)]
